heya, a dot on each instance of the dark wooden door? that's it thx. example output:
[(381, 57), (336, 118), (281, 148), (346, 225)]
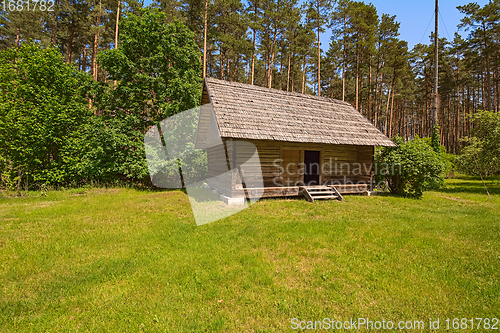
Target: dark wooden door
[(311, 165)]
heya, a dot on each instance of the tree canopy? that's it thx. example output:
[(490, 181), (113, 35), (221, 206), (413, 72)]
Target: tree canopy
[(156, 69), (58, 125), (43, 105)]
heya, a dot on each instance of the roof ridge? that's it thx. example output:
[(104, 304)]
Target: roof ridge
[(290, 93)]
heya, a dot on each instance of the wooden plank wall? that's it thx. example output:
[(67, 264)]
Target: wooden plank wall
[(241, 152), (366, 157), (345, 163), (348, 164), (290, 165), (217, 169), (351, 163)]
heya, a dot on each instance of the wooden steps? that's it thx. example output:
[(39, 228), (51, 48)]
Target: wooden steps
[(312, 193)]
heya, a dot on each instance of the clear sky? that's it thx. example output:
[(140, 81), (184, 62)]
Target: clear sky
[(414, 17)]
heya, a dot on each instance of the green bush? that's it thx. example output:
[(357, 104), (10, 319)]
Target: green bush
[(483, 146), (449, 159), (43, 103), (411, 168), (105, 151)]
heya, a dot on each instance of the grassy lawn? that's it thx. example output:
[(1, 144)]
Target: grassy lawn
[(119, 260)]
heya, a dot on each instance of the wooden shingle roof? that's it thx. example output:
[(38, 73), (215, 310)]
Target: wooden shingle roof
[(245, 111)]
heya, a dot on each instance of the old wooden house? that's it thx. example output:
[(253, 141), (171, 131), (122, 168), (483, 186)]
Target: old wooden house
[(307, 145)]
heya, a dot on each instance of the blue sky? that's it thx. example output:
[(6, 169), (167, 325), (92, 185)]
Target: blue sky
[(414, 17)]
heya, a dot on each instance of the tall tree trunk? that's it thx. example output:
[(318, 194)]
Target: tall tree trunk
[(475, 102), (407, 125), (95, 47), (497, 93), (271, 63), (464, 106), (375, 99), (116, 30), (71, 35), (117, 23), (70, 44), (304, 75), (392, 109), (381, 96), (96, 44), (369, 111), (288, 71), (449, 127), (377, 93), (457, 114), (344, 59), (17, 37), (205, 28), (281, 71), (488, 70), (482, 89), (427, 110), (319, 59), (414, 122), (53, 36), (387, 125), (488, 84), (236, 73), (268, 55), (221, 64), (357, 75), (496, 78), (253, 59), (361, 82), (84, 58)]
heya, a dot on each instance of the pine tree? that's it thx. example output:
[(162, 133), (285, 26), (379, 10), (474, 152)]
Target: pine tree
[(318, 12)]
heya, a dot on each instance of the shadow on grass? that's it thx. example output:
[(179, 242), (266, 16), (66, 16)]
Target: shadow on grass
[(471, 185), (385, 194), (92, 275)]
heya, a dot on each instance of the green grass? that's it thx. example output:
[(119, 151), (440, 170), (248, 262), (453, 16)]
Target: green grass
[(127, 260)]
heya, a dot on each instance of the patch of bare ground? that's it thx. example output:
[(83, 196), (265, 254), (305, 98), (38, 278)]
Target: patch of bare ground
[(444, 196), (100, 191)]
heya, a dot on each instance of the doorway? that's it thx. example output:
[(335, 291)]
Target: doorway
[(311, 167)]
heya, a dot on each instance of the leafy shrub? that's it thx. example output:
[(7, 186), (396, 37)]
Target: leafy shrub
[(483, 146), (106, 150), (450, 162), (43, 102), (411, 168), (436, 139), (449, 159)]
